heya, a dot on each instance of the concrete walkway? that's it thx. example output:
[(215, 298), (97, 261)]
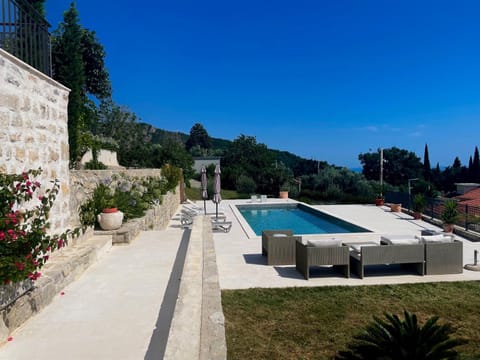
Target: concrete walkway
[(110, 312)]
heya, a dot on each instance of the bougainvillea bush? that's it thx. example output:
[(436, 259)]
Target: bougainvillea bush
[(25, 243)]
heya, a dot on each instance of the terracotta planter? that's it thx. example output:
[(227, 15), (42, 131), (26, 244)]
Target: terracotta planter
[(379, 201), (283, 195), (448, 228), (396, 207), (110, 221), (417, 215), (109, 210)]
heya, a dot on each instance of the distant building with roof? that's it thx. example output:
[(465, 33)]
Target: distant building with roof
[(199, 161), (469, 194)]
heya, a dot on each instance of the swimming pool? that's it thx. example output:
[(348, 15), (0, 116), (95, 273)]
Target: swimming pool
[(298, 217)]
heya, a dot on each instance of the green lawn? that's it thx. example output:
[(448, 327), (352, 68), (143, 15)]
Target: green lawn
[(195, 194), (314, 323)]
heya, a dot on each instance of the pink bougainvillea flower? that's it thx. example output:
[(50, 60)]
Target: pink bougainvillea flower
[(20, 266), (10, 338), (40, 198), (10, 232), (2, 235)]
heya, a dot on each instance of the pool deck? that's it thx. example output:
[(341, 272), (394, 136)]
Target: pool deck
[(114, 310), (241, 265)]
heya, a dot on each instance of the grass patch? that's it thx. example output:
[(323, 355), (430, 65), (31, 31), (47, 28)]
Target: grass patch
[(196, 194), (314, 323)]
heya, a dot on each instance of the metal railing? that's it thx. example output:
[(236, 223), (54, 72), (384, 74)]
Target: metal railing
[(24, 34), (468, 215)]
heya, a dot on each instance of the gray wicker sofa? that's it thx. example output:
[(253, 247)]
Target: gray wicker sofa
[(322, 252), (362, 255), (279, 246)]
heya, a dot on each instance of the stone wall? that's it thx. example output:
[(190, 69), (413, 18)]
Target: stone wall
[(83, 182), (33, 129)]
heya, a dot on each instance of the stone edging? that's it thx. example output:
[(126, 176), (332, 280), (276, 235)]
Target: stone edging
[(197, 330)]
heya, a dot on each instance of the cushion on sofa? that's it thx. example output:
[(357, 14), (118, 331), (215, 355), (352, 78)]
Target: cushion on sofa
[(279, 235), (438, 238), (325, 243), (358, 247), (404, 241)]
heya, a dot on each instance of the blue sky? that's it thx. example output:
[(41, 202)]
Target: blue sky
[(322, 79)]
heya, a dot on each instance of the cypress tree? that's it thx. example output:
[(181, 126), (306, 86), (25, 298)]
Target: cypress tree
[(426, 165), (476, 166), (68, 70)]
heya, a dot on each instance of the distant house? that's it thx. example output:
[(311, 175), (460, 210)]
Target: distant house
[(469, 194), (199, 161)]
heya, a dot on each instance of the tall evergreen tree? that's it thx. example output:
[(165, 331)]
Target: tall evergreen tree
[(68, 69), (78, 63), (475, 169), (426, 165)]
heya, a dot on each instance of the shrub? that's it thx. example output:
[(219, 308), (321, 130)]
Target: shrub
[(25, 245), (403, 340), (246, 185)]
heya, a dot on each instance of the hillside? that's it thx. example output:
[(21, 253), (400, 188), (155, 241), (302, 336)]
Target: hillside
[(292, 161)]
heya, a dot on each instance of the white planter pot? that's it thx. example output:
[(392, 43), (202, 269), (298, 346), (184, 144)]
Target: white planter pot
[(110, 221)]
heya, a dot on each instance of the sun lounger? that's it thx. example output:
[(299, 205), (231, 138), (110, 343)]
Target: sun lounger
[(322, 252), (279, 246), (223, 226)]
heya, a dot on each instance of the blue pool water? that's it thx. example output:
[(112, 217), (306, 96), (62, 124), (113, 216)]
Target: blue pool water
[(297, 217)]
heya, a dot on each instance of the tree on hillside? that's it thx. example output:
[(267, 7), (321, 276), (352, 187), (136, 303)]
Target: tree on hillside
[(427, 169), (399, 165), (249, 158), (474, 170), (198, 137), (78, 63), (453, 174)]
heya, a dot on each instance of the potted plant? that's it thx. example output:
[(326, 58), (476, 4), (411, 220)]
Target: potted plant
[(379, 201), (284, 190), (449, 215), (418, 205), (395, 207)]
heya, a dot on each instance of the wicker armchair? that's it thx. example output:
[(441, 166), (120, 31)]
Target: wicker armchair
[(308, 256), (279, 246), (443, 258)]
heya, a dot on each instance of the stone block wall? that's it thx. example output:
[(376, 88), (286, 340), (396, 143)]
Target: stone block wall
[(83, 182), (34, 129)]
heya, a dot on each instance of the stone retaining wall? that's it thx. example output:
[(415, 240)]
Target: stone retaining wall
[(34, 130), (83, 182)]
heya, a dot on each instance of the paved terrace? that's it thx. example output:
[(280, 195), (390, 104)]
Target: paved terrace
[(119, 307), (239, 252)]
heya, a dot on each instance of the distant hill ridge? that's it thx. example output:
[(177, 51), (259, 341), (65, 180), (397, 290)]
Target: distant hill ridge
[(159, 136)]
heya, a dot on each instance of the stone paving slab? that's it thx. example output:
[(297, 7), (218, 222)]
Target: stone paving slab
[(241, 265), (109, 312)]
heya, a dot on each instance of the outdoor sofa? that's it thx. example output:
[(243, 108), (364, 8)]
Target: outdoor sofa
[(443, 254), (409, 255), (279, 246), (322, 252)]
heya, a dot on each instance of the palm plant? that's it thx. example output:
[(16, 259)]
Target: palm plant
[(402, 340)]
